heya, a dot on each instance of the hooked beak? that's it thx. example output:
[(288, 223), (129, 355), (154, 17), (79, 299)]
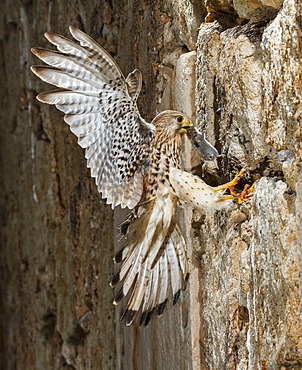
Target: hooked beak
[(183, 129), (187, 124)]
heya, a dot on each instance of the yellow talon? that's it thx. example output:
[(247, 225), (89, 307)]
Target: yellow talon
[(245, 193), (227, 197), (230, 185)]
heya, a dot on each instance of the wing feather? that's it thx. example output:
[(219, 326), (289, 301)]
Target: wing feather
[(71, 65), (96, 62), (64, 80), (100, 107)]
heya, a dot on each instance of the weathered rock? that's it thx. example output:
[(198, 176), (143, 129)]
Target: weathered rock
[(248, 94), (257, 10), (185, 18), (225, 6), (254, 10)]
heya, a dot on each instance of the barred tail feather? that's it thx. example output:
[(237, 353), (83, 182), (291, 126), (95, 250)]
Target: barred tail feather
[(154, 263)]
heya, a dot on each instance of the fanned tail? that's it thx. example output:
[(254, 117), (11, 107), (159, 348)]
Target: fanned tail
[(154, 263)]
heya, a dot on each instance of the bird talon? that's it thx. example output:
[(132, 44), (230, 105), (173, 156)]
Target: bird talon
[(227, 197), (251, 188), (230, 185), (245, 193)]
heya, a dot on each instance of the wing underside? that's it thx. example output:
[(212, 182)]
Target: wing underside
[(100, 108)]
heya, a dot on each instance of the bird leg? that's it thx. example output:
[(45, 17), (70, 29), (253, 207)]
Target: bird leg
[(230, 185)]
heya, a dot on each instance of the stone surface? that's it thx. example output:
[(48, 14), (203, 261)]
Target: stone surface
[(254, 10), (248, 96), (185, 16), (225, 6), (257, 10)]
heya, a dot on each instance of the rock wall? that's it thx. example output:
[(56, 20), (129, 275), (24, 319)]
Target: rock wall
[(249, 98), (233, 65)]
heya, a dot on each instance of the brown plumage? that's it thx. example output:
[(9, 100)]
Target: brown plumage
[(135, 164)]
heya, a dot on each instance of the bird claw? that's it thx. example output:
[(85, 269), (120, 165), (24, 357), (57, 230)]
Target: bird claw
[(245, 193), (230, 185)]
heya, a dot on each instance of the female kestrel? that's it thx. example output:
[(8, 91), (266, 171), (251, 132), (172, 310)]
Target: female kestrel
[(135, 164)]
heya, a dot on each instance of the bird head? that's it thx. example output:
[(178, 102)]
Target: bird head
[(172, 122)]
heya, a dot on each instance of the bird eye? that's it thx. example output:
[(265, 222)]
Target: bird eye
[(180, 119)]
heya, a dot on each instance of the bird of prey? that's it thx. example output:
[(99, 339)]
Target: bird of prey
[(135, 164)]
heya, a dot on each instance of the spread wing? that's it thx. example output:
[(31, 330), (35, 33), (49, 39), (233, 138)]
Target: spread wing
[(100, 107)]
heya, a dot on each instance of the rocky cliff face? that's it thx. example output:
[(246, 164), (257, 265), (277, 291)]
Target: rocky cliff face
[(233, 65), (249, 98)]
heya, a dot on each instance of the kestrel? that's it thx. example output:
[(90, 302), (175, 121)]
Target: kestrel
[(135, 164)]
